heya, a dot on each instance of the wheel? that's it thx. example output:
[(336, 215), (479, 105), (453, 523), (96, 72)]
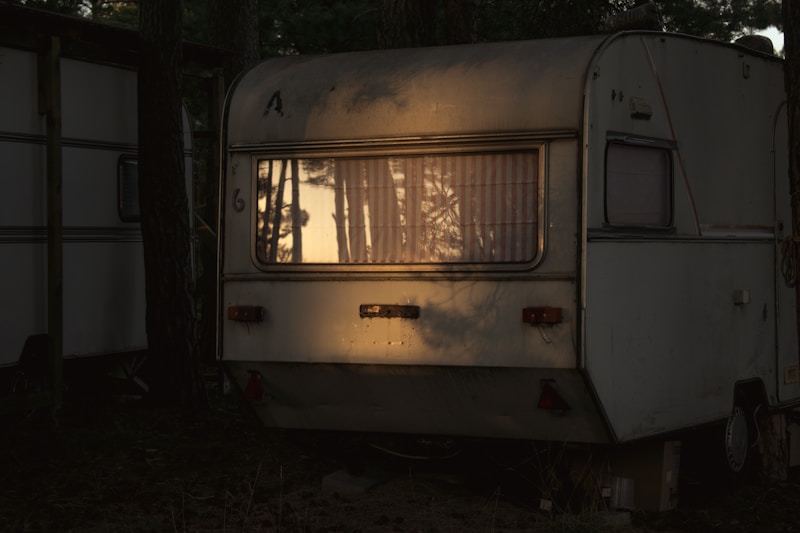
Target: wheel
[(718, 457), (737, 441)]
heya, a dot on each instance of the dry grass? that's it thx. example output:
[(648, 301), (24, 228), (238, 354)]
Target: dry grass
[(123, 467)]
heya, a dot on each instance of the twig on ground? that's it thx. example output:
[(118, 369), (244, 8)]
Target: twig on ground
[(280, 498), (252, 494)]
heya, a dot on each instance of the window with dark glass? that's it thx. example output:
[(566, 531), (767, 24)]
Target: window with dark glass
[(638, 185), (432, 209), (128, 189)]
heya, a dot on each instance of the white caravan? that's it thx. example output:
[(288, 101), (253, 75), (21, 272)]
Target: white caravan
[(572, 239), (103, 266)]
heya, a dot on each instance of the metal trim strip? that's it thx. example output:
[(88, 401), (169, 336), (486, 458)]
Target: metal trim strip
[(74, 234)]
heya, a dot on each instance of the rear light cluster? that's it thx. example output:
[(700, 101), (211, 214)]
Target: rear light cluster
[(255, 390), (551, 399)]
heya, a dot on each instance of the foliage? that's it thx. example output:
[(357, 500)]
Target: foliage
[(720, 19), (327, 26), (120, 12), (520, 19), (317, 26)]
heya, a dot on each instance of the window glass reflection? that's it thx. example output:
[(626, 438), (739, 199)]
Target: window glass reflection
[(477, 208)]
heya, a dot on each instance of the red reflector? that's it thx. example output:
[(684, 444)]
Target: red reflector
[(246, 313), (541, 315), (255, 388), (551, 399)]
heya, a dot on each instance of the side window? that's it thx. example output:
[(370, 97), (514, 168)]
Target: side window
[(128, 188), (638, 185)]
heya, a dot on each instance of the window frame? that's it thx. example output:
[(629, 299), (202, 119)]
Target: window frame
[(647, 143), (399, 149)]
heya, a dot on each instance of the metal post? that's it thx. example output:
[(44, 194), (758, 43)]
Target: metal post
[(50, 106)]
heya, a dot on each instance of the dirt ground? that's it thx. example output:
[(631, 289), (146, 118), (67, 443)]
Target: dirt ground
[(121, 466)]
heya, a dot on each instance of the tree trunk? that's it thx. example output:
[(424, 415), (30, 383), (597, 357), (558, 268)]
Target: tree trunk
[(164, 209), (297, 214), (277, 219), (233, 25), (407, 23), (340, 215), (460, 21), (791, 16), (773, 445), (265, 194)]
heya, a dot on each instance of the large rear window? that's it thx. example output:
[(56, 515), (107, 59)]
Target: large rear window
[(434, 209)]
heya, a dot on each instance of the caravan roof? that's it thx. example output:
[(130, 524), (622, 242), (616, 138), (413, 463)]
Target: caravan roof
[(450, 90)]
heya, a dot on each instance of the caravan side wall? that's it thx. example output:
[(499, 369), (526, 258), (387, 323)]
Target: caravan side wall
[(103, 266), (684, 213)]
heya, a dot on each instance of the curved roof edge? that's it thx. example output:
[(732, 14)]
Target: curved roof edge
[(489, 88)]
